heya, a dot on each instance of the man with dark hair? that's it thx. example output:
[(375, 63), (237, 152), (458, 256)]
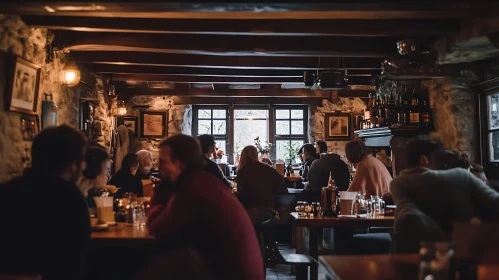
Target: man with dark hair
[(430, 201), (193, 206), (48, 221), (309, 155), (125, 178), (320, 147), (208, 146)]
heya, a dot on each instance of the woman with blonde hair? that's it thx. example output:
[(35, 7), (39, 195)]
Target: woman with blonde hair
[(257, 183)]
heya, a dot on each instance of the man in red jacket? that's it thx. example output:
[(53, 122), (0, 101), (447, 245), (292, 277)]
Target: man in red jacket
[(194, 207)]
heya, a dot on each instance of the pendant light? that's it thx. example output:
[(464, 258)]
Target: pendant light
[(70, 75)]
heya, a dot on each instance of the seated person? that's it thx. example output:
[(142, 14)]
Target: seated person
[(46, 224), (145, 164), (300, 156), (125, 178), (194, 207), (371, 176), (327, 165), (96, 174), (309, 155), (444, 196), (257, 183), (208, 147)]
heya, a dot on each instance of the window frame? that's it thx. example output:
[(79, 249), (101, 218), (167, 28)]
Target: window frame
[(289, 137), (218, 137), (491, 168)]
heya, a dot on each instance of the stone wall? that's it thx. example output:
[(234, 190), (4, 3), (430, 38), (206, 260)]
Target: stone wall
[(179, 117), (29, 43), (316, 121), (453, 108)]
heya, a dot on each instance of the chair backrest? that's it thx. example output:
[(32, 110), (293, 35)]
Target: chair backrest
[(476, 242)]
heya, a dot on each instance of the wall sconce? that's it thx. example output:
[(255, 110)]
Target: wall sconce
[(120, 109), (70, 74)]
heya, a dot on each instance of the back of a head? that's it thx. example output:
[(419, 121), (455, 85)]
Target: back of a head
[(55, 148), (310, 149), (248, 155), (355, 151), (322, 146), (206, 141), (94, 158), (129, 161), (422, 145), (185, 149)]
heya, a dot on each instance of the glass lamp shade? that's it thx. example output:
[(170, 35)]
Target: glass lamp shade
[(120, 109), (70, 75)]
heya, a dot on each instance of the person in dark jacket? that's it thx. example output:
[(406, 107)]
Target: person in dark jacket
[(208, 146), (46, 221), (125, 178), (257, 183), (309, 155)]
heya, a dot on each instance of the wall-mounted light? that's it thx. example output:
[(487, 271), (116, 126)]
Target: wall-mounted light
[(70, 75), (120, 109)]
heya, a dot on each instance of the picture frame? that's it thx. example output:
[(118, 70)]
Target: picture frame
[(338, 126), (153, 124), (493, 111), (24, 82), (30, 126), (132, 123)]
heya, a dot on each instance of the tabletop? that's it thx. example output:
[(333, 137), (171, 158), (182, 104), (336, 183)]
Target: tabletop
[(372, 267), (342, 222), (122, 231)]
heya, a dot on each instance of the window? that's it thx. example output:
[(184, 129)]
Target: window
[(290, 131), (236, 128), (212, 121), (493, 127)]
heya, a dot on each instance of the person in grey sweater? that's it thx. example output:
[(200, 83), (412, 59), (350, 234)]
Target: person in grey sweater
[(430, 201)]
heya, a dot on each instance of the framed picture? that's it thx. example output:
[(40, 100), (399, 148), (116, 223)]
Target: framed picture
[(132, 123), (338, 126), (22, 95), (493, 110), (30, 127), (153, 124)]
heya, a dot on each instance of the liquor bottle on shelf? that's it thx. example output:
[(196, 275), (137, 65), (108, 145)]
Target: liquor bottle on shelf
[(374, 111), (390, 111), (425, 115), (381, 112), (414, 108), (403, 114)]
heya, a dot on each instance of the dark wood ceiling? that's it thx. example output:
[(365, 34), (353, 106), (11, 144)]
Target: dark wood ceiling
[(229, 45)]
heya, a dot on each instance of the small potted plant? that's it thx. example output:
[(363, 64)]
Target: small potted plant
[(290, 152), (264, 151)]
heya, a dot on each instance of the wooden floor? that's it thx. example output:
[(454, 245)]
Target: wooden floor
[(284, 271)]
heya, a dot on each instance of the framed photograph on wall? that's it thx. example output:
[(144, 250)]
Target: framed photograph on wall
[(153, 124), (30, 127), (132, 123), (22, 94), (338, 126)]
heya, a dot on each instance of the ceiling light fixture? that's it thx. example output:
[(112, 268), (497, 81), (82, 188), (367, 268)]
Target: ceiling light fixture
[(70, 75)]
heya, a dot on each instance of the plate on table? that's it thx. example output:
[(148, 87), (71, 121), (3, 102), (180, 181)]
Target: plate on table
[(100, 227)]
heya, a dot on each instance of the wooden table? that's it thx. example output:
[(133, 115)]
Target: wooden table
[(317, 223), (122, 234), (372, 267)]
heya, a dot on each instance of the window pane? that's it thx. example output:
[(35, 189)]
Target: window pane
[(251, 114), (297, 114), (282, 114), (494, 146), (219, 114), (204, 127), (493, 104), (219, 127), (286, 149), (204, 113), (282, 127), (245, 132), (296, 127)]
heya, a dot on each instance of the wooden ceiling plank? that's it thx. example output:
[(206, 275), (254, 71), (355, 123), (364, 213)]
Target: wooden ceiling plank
[(207, 10), (235, 62), (348, 27)]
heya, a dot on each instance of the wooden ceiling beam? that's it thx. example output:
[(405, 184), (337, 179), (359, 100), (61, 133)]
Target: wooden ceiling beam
[(188, 100), (226, 62), (216, 10), (228, 45), (228, 79), (342, 27), (283, 93)]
